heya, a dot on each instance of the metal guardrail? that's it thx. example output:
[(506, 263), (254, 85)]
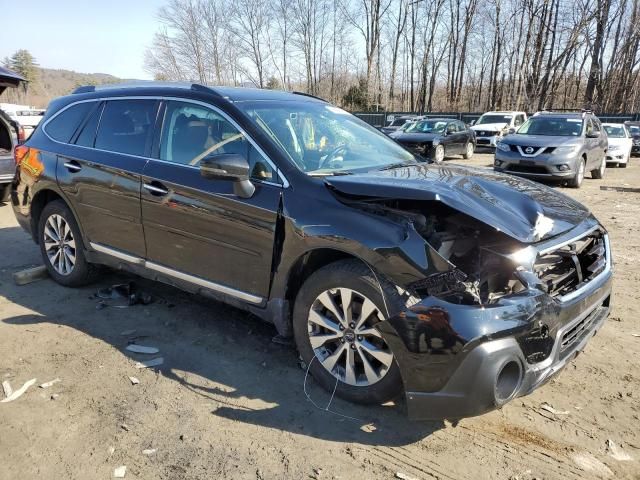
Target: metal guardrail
[(380, 119)]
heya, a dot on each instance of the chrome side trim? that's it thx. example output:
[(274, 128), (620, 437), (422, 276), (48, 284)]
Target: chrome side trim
[(232, 292), (247, 297), (98, 247), (285, 182)]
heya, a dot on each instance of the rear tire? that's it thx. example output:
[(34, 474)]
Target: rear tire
[(623, 165), (577, 179), (350, 280), (599, 172), (5, 193), (61, 246), (468, 151)]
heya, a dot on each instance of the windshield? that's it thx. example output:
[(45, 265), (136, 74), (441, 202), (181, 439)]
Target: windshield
[(398, 122), (552, 126), (615, 132), (321, 139), (427, 126), (484, 119)]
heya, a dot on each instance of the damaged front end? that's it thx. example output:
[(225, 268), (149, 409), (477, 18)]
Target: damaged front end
[(493, 316)]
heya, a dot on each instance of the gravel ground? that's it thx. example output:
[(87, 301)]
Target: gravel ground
[(228, 403)]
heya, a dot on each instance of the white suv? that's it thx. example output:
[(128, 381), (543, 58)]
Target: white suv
[(492, 126)]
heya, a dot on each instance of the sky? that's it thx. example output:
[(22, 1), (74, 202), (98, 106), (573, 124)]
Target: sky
[(107, 36)]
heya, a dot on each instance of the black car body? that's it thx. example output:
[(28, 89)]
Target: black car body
[(634, 130), (463, 287), (438, 138)]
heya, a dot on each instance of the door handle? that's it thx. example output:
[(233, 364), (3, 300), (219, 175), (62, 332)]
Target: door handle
[(72, 166), (157, 189)]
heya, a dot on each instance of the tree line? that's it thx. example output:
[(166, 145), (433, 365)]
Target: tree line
[(411, 55)]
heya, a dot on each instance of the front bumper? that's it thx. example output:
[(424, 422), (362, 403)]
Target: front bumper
[(616, 157), (548, 166), (487, 141), (453, 363)]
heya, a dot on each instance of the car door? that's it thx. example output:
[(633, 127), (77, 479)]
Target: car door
[(100, 169), (197, 229)]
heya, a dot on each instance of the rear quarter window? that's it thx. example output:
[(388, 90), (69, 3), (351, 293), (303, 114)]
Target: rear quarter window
[(63, 126)]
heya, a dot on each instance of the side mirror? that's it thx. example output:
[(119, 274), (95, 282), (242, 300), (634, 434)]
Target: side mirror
[(593, 135), (511, 130), (232, 167), (472, 123)]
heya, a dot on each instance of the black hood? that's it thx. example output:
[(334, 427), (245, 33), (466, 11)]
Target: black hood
[(411, 138), (520, 208)]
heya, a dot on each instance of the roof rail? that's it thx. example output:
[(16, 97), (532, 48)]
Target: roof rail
[(84, 89), (308, 95)]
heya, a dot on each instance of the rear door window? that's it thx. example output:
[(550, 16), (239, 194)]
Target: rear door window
[(64, 125), (126, 125)]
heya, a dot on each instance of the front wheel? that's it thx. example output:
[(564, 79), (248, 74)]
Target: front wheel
[(335, 314), (438, 154), (61, 246), (577, 179), (468, 152), (599, 172)]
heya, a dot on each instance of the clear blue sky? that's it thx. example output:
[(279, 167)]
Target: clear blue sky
[(108, 36)]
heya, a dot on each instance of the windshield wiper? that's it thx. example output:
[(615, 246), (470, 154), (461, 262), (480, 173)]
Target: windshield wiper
[(397, 165)]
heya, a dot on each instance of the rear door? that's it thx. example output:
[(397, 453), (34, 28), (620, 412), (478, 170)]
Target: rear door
[(100, 171), (197, 229)]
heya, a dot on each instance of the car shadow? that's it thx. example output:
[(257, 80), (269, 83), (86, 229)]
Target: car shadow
[(220, 353)]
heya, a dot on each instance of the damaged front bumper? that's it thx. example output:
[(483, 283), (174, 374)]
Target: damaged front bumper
[(464, 360)]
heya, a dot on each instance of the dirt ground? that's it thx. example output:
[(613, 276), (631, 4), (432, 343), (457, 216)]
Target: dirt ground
[(229, 403)]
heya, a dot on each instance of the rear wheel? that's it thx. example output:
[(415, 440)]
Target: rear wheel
[(334, 317), (61, 246), (599, 172), (576, 181), (468, 152)]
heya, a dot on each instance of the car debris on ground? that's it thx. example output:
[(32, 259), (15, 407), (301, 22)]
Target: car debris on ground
[(30, 275), (134, 380), (616, 452), (51, 383), (122, 295), (154, 362), (18, 393), (6, 386), (149, 451), (120, 472), (142, 349)]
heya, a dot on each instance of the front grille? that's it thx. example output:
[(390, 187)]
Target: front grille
[(572, 266), (483, 141), (580, 329), (423, 148), (526, 168)]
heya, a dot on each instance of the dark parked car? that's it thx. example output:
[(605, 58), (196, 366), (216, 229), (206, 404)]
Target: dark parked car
[(461, 287), (438, 138), (634, 130), (398, 123), (555, 146), (11, 133)]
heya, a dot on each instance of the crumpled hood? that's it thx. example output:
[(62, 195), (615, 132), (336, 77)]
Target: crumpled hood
[(522, 209), (489, 127)]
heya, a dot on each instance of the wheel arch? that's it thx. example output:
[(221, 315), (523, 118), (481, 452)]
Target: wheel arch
[(39, 201)]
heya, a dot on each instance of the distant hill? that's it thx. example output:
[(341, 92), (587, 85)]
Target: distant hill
[(53, 83)]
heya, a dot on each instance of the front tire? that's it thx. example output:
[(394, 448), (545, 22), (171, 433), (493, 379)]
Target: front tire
[(61, 246), (577, 179), (333, 324), (438, 154)]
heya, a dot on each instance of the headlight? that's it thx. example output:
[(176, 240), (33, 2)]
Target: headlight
[(567, 149), (614, 148), (436, 141), (503, 146)]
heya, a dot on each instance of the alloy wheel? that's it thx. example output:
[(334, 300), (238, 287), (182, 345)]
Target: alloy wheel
[(603, 166), (342, 336), (439, 155), (469, 149), (581, 168), (59, 244)]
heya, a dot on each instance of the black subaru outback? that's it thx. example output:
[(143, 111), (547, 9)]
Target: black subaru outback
[(461, 288)]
